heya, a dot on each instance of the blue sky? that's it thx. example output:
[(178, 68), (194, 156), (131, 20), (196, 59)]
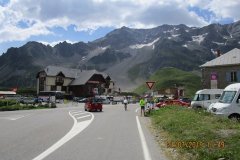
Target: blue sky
[(51, 22)]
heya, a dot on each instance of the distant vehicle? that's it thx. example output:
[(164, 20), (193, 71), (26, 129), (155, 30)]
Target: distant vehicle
[(46, 95), (203, 98), (16, 97), (168, 102), (117, 100), (76, 99), (105, 101), (93, 104), (83, 100), (38, 100), (187, 100), (27, 100), (229, 102)]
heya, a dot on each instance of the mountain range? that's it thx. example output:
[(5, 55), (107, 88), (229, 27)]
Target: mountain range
[(128, 55)]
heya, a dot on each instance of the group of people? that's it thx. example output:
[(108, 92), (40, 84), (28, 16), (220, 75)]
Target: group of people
[(144, 104)]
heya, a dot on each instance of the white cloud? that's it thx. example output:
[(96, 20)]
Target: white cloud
[(230, 9), (88, 15), (11, 32)]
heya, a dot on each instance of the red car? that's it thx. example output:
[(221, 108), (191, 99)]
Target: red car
[(172, 102), (93, 104)]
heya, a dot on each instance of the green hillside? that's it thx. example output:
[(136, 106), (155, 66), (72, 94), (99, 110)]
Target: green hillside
[(169, 77)]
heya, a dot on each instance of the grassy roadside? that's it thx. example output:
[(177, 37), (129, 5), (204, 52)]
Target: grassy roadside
[(197, 134)]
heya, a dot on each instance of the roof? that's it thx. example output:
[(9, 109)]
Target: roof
[(85, 76), (210, 91), (233, 87), (230, 58), (79, 76), (70, 72)]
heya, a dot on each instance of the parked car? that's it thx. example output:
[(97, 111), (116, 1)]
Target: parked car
[(38, 100), (105, 101), (76, 99), (168, 102), (93, 104), (203, 98), (27, 100), (185, 99), (83, 100), (229, 102)]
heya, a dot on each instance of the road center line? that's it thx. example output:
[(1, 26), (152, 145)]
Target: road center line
[(75, 130), (146, 153)]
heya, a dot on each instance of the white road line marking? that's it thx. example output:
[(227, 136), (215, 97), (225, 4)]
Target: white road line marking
[(14, 117), (73, 112), (76, 129), (146, 153), (80, 113), (137, 110), (83, 117)]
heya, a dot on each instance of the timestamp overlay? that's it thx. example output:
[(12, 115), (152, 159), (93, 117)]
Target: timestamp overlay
[(196, 144)]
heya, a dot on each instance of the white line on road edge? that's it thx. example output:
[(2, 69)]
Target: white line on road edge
[(137, 110), (76, 129), (146, 153)]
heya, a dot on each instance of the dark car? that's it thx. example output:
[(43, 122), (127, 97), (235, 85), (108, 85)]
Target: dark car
[(27, 100), (82, 100), (187, 100), (93, 104), (38, 100)]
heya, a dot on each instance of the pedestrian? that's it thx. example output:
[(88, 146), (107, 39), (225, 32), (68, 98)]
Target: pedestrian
[(142, 105), (125, 102)]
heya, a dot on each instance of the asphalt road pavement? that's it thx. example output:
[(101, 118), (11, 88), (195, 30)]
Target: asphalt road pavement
[(70, 133)]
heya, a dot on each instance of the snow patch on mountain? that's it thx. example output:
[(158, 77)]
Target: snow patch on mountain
[(138, 46), (218, 43), (199, 38), (176, 35)]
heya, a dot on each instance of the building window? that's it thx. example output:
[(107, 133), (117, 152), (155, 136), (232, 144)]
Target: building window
[(53, 88), (64, 88), (233, 76), (41, 83), (59, 80)]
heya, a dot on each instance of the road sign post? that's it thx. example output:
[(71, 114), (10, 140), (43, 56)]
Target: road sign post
[(150, 84)]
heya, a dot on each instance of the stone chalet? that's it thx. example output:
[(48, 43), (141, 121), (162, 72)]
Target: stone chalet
[(74, 82), (222, 71)]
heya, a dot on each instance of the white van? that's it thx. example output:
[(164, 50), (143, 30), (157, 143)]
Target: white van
[(229, 102), (203, 98)]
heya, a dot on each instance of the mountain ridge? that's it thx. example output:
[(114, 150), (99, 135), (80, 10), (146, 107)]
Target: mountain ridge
[(129, 55)]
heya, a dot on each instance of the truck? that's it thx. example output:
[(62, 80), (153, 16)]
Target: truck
[(203, 98), (229, 102)]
